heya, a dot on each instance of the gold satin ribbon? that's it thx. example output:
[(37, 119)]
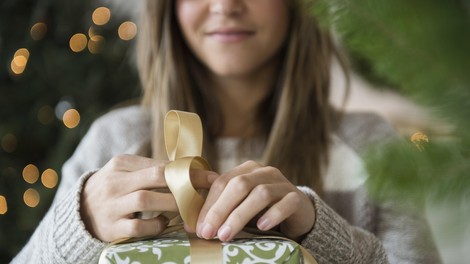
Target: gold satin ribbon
[(183, 142)]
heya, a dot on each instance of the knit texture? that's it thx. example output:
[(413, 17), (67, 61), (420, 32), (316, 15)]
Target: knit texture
[(348, 227)]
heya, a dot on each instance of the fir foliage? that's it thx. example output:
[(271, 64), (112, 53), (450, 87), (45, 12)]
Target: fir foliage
[(422, 48)]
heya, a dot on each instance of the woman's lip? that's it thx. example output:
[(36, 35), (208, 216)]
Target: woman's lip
[(229, 36)]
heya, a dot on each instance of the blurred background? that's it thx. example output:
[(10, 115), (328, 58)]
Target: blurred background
[(64, 63)]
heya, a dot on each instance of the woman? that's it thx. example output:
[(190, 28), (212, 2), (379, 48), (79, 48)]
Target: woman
[(257, 72)]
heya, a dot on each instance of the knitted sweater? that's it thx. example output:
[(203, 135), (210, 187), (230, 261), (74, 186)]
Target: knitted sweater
[(349, 228)]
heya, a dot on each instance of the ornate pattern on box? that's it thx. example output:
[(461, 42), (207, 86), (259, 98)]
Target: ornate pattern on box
[(175, 249)]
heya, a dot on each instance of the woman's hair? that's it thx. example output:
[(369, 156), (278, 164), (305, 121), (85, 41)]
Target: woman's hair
[(296, 118)]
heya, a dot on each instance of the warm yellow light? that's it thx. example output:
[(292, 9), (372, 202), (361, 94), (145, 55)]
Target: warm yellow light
[(20, 59), (45, 115), (30, 173), (49, 178), (31, 197), (419, 139), (127, 30), (91, 32), (15, 68), (78, 42), (101, 16), (38, 31), (95, 44), (22, 52), (9, 142), (3, 205), (71, 118)]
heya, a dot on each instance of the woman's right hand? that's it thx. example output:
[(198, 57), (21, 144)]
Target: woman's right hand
[(111, 197)]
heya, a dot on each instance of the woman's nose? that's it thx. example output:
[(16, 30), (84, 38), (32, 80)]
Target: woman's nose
[(227, 7)]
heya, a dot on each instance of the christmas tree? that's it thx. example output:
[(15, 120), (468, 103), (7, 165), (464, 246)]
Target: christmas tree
[(421, 48), (63, 63)]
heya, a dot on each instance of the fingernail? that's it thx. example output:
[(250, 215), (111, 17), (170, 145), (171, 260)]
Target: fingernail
[(263, 223), (224, 233), (207, 231)]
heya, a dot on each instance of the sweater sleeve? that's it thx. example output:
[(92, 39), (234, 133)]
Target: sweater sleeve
[(334, 240), (394, 234), (61, 237)]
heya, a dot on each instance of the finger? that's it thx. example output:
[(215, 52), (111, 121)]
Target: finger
[(154, 177), (217, 207), (116, 184), (187, 228), (218, 185), (279, 211), (260, 197), (224, 195), (126, 162), (202, 179), (127, 228), (143, 201), (244, 168)]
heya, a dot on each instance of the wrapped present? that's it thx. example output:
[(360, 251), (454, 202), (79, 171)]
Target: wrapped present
[(175, 248), (183, 142)]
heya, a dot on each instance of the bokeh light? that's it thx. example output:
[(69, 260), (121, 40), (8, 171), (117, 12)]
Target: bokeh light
[(71, 118), (65, 103), (19, 61), (22, 52), (127, 30), (91, 32), (3, 205), (49, 178), (31, 197), (101, 16), (38, 31), (16, 69), (78, 42), (9, 142), (96, 44), (45, 115), (30, 173)]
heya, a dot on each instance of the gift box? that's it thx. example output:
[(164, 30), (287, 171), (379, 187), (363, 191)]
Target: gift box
[(175, 248)]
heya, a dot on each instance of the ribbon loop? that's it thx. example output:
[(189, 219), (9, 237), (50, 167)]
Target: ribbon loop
[(183, 135), (183, 141)]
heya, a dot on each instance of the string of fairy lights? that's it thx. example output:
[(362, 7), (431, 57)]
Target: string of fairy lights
[(64, 111)]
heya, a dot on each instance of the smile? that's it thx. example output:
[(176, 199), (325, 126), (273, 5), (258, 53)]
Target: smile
[(230, 36)]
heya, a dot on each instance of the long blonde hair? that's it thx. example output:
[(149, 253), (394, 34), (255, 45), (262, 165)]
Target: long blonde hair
[(296, 117)]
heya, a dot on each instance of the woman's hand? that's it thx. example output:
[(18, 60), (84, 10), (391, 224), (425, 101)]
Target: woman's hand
[(112, 196), (239, 195)]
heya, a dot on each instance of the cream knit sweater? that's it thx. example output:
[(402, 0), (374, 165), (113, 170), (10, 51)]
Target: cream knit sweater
[(348, 229)]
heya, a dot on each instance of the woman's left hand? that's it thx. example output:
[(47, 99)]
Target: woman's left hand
[(239, 195)]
